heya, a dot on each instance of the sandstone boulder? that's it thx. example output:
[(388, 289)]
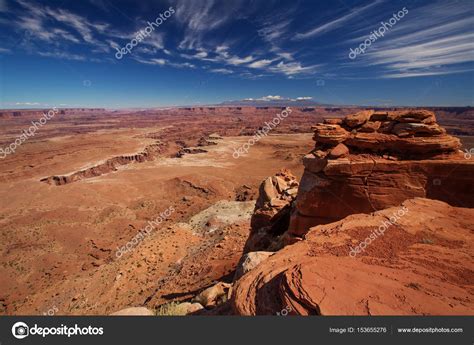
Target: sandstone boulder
[(214, 295), (329, 134), (369, 127), (272, 210), (249, 261), (339, 151), (273, 197), (358, 118), (267, 192)]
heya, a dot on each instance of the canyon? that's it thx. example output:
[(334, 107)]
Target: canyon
[(285, 216)]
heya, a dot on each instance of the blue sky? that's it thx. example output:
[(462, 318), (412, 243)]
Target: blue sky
[(63, 53)]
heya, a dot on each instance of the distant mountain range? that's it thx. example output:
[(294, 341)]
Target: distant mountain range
[(274, 101)]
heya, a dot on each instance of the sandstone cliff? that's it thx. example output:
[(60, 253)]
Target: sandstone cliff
[(373, 160)]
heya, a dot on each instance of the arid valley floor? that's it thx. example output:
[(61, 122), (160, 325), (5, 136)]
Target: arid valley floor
[(91, 179)]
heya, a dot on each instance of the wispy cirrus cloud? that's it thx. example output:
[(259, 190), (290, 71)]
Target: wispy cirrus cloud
[(336, 23), (164, 62), (435, 39), (222, 70)]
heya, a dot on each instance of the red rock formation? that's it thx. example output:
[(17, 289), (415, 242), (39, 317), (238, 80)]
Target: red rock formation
[(422, 264), (272, 210), (373, 160), (108, 166)]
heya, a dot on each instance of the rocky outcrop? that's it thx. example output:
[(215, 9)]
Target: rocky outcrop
[(373, 160), (422, 263), (272, 210), (190, 151), (110, 165)]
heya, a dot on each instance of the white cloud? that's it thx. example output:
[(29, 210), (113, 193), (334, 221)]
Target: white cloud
[(201, 17), (272, 32), (235, 60), (42, 23), (292, 68), (336, 23), (271, 98), (27, 103), (164, 62), (222, 70), (260, 63), (437, 40)]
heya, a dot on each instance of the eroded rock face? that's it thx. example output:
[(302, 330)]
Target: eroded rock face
[(374, 160), (422, 264), (272, 210), (149, 153)]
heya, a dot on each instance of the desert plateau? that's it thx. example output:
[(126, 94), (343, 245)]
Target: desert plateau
[(144, 212)]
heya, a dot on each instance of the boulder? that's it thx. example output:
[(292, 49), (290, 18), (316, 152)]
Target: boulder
[(178, 309), (339, 151), (358, 118), (279, 183), (267, 191), (271, 216), (329, 134), (214, 295), (249, 261), (370, 126)]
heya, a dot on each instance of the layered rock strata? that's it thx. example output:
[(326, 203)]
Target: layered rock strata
[(373, 160), (110, 165)]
